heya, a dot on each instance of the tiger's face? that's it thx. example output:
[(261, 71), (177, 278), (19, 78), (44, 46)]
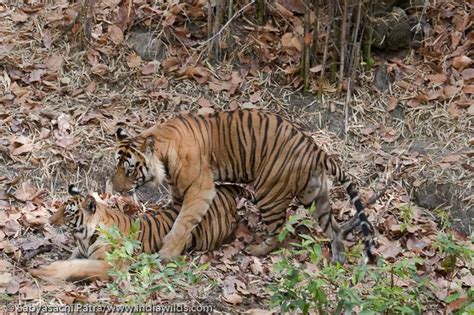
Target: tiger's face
[(69, 213), (133, 168)]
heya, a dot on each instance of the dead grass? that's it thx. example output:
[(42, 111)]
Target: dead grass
[(70, 114)]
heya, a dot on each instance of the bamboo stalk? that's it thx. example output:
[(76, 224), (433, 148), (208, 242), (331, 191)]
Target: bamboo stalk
[(261, 11), (314, 46), (343, 45), (305, 52), (326, 48)]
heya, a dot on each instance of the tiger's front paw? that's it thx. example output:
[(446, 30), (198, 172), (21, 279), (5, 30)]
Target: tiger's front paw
[(168, 253)]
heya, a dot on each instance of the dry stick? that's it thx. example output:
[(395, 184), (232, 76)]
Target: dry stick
[(230, 7), (305, 55), (261, 11), (351, 65), (217, 24), (209, 28), (314, 46), (325, 54), (226, 24), (343, 45)]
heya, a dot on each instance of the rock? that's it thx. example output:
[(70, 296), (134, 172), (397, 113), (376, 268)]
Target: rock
[(391, 31), (147, 45), (382, 79), (434, 195)]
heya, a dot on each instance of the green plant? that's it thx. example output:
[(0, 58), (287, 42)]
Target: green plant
[(138, 275), (452, 251), (318, 286), (443, 217), (407, 212)]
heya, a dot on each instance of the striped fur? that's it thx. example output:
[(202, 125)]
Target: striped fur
[(264, 150), (84, 216)]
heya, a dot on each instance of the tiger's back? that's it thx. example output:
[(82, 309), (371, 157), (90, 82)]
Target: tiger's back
[(271, 154)]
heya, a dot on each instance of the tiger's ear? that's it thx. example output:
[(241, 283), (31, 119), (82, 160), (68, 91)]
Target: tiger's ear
[(58, 217), (121, 134), (149, 145), (90, 205), (73, 190)]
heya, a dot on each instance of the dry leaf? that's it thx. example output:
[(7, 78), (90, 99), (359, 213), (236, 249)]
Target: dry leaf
[(20, 145), (116, 34), (454, 110), (134, 61), (198, 73), (55, 62), (220, 86), (35, 75), (468, 74), (437, 78), (65, 141), (5, 279), (316, 69), (64, 123), (90, 88), (296, 6), (415, 244), (47, 40), (11, 228), (451, 158), (28, 292), (470, 110), (468, 89), (451, 91), (392, 104), (25, 193), (19, 17), (255, 97), (461, 62), (434, 95), (99, 69), (233, 298), (286, 40), (283, 11), (170, 64), (256, 267), (233, 105), (149, 68), (204, 102), (205, 110)]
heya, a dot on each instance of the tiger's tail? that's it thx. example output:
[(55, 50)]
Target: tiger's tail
[(73, 270), (367, 228)]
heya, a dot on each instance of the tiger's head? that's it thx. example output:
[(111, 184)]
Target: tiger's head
[(69, 213), (135, 164), (75, 211)]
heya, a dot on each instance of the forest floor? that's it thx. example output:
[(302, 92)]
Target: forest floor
[(61, 104)]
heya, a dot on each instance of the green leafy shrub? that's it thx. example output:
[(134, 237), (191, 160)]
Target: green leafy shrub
[(138, 275), (319, 286)]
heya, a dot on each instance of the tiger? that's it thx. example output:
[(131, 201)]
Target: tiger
[(193, 151), (83, 216)]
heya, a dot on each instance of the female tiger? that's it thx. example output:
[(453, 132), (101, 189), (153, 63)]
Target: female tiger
[(262, 149), (83, 215)]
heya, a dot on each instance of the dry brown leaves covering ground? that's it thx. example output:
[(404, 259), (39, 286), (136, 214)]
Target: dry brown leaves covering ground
[(60, 106)]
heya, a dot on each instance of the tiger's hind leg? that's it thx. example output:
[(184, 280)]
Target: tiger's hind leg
[(317, 191), (273, 211)]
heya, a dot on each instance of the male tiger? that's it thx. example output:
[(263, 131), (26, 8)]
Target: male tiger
[(262, 149), (83, 216)]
